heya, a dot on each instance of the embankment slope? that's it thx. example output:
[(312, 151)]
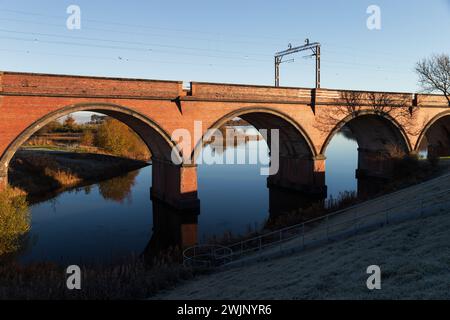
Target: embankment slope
[(414, 257)]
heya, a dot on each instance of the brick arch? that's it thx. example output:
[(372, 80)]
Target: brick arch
[(439, 118), (392, 131), (293, 139), (156, 138)]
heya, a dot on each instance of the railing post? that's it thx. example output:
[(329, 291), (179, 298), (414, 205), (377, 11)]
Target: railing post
[(421, 205), (213, 255), (328, 228), (303, 235), (281, 238)]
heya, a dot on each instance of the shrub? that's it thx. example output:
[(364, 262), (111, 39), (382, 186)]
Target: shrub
[(14, 220), (405, 167), (119, 140), (88, 138)]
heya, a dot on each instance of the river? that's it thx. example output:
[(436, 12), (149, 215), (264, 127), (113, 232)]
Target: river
[(114, 219)]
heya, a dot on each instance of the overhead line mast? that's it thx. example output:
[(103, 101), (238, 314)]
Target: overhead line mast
[(314, 47)]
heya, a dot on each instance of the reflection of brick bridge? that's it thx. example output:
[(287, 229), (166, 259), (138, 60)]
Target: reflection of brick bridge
[(384, 124)]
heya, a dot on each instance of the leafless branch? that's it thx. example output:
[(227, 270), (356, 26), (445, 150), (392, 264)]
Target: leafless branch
[(396, 106), (434, 74)]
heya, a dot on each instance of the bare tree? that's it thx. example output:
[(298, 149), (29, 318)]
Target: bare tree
[(434, 74)]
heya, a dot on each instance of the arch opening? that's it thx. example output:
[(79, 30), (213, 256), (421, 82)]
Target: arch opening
[(156, 139), (84, 202), (168, 179), (434, 141), (293, 139), (368, 144), (297, 166), (374, 132), (245, 196)]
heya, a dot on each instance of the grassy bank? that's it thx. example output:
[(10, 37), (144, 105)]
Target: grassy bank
[(414, 258), (39, 173)]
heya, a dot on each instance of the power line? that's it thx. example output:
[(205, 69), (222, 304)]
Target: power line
[(244, 55), (215, 34), (145, 34), (369, 53), (127, 42), (116, 59), (145, 47), (147, 50), (140, 26)]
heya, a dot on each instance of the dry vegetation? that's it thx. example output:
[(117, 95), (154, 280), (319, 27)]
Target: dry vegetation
[(14, 221), (136, 279), (39, 173), (51, 168)]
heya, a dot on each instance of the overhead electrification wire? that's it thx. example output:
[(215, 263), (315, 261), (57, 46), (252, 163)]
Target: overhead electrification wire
[(127, 42)]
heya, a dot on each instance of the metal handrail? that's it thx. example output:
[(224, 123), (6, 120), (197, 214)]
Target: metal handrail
[(278, 234), (316, 230), (210, 258), (311, 221)]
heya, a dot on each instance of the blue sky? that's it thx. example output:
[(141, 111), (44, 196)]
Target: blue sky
[(226, 41)]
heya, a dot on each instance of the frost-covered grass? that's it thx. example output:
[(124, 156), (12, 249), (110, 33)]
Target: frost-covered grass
[(414, 258)]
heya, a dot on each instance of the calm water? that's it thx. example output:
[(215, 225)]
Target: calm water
[(114, 219)]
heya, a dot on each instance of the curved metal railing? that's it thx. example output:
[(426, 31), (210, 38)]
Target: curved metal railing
[(206, 256)]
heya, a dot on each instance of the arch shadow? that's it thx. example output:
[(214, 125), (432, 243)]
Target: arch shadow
[(429, 126), (395, 130)]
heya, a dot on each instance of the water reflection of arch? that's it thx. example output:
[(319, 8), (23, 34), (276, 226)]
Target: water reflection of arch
[(172, 228)]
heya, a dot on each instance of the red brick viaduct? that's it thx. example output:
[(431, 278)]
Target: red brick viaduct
[(384, 124)]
